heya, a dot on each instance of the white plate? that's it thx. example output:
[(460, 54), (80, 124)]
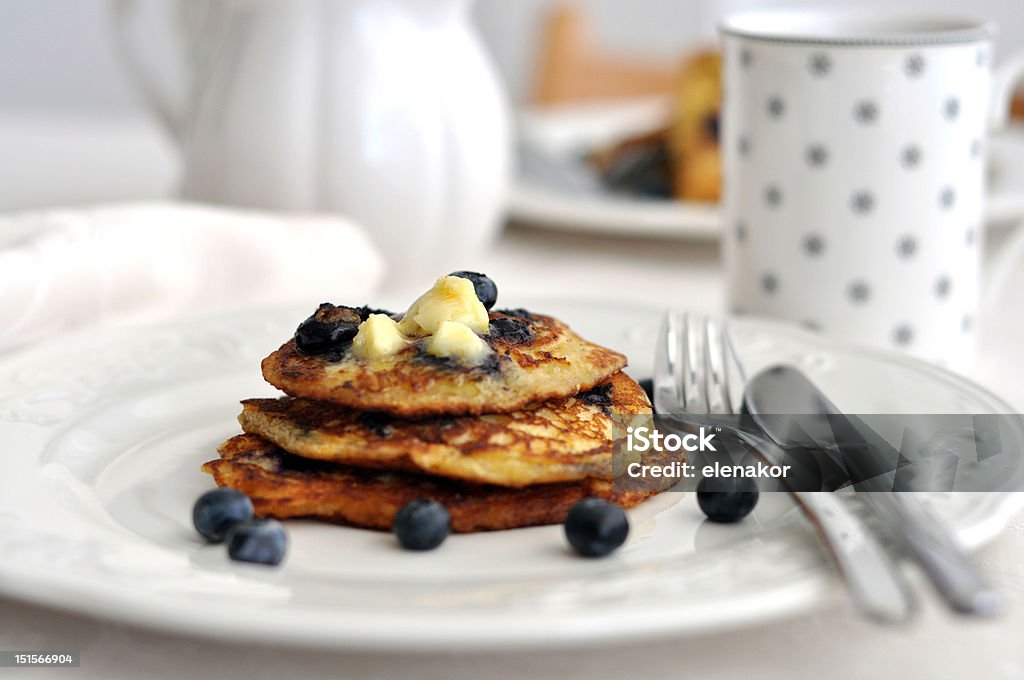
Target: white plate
[(572, 130), (103, 435)]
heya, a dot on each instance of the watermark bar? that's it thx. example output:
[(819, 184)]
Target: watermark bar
[(44, 659), (821, 452)]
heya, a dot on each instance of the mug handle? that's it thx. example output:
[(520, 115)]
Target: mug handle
[(1001, 267), (167, 108), (1004, 81)]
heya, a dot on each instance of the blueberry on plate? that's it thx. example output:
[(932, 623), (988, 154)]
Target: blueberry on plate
[(726, 499), (595, 527), (485, 289), (421, 524), (261, 541), (218, 510)]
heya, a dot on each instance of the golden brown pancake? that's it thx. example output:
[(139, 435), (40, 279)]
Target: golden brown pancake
[(555, 441), (536, 358), (284, 486)]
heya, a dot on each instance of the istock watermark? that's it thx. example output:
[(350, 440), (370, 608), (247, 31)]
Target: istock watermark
[(822, 452), (645, 438)]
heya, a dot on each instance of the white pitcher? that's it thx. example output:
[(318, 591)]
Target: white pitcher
[(387, 111)]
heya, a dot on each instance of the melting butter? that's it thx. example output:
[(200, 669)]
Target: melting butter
[(449, 318), (378, 337), (451, 299), (456, 340)]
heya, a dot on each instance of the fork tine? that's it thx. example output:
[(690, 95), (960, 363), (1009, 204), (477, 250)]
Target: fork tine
[(735, 375), (695, 381), (668, 397), (677, 345), (717, 389)]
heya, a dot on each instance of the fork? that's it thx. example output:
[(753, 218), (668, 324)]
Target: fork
[(693, 378)]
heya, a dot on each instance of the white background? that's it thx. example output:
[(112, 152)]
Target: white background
[(58, 54)]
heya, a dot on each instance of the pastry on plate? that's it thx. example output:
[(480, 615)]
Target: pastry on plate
[(553, 441), (694, 132), (446, 355), (285, 486), (507, 418)]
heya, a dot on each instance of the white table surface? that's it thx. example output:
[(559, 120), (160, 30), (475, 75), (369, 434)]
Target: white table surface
[(832, 641)]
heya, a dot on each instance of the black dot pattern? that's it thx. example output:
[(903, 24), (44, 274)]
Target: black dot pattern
[(947, 198), (821, 157), (820, 65), (906, 247), (862, 202), (816, 155), (951, 109), (814, 245), (903, 335), (866, 112), (746, 58), (910, 156), (743, 146), (858, 292), (914, 66)]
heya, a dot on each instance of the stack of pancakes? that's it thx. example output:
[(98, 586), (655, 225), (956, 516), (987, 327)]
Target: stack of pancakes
[(513, 442)]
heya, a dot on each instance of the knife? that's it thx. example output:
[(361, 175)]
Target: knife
[(785, 390)]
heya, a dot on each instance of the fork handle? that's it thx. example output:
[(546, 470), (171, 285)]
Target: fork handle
[(874, 582)]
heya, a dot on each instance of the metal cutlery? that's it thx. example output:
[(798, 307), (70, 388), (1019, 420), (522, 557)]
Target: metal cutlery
[(785, 390), (695, 376)]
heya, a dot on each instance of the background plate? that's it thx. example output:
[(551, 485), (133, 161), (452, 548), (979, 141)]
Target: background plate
[(104, 433), (569, 131)]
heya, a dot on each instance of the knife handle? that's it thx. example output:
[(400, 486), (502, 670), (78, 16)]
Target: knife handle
[(952, 573), (874, 582), (785, 389)]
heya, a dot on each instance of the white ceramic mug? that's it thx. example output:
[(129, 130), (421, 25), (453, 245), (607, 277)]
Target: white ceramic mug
[(854, 156)]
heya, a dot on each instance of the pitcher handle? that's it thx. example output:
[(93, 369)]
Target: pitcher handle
[(168, 109)]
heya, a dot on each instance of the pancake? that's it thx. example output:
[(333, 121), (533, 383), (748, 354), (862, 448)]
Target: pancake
[(284, 486), (535, 358), (555, 441)]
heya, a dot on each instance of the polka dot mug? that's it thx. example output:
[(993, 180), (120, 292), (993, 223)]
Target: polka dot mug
[(854, 161)]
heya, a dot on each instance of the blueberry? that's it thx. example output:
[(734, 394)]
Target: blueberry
[(485, 289), (365, 311), (511, 330), (726, 499), (329, 329), (600, 396), (595, 527), (218, 510), (262, 541), (422, 524)]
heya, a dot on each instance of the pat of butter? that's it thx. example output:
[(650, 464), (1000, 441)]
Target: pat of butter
[(458, 341), (378, 337), (452, 299)]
